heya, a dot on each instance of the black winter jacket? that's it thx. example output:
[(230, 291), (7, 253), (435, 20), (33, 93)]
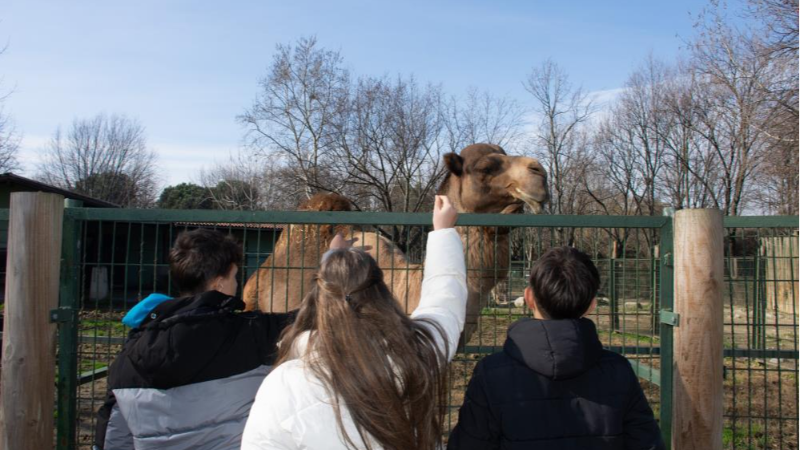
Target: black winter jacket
[(554, 387), (187, 376)]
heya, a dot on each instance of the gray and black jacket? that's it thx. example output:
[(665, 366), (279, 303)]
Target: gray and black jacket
[(187, 377)]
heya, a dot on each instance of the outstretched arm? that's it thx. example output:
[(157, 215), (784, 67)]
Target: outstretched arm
[(444, 286)]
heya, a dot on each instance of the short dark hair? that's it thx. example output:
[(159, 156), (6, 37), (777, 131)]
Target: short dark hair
[(199, 256), (564, 281)]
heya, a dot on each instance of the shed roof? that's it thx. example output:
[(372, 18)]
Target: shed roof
[(12, 179)]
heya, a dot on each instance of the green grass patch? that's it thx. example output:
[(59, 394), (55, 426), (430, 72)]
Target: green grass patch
[(740, 438), (89, 365)]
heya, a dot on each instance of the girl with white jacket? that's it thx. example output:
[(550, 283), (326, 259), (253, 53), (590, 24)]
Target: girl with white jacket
[(354, 371)]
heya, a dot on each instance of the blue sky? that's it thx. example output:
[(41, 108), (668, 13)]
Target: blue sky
[(185, 69)]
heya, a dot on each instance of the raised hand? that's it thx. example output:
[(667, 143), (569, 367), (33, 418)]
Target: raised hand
[(444, 213), (340, 242)]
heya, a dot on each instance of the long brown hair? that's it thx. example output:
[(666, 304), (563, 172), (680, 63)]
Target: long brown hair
[(385, 368)]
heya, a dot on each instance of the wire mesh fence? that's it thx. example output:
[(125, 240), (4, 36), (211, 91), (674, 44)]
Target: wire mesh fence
[(123, 258), (761, 325)]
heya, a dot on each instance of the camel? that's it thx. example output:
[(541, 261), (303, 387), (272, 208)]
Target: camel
[(481, 179)]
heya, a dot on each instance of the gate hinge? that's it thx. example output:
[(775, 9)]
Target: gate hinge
[(62, 315), (667, 259), (670, 318)]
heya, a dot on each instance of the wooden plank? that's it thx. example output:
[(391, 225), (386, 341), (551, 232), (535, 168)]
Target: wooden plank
[(28, 378), (697, 368)]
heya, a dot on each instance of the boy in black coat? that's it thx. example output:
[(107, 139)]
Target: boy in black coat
[(553, 386)]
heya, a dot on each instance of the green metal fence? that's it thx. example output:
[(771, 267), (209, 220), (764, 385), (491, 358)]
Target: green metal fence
[(127, 249), (761, 324), (113, 258)]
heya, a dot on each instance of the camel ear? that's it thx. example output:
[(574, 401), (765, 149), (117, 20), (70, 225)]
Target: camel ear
[(454, 163)]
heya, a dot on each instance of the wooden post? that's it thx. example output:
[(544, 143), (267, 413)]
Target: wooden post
[(699, 260), (27, 382)]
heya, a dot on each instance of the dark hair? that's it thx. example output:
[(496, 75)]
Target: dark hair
[(564, 282), (384, 368), (199, 256)]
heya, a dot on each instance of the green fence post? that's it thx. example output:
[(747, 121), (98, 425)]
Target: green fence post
[(612, 288), (67, 317), (666, 290)]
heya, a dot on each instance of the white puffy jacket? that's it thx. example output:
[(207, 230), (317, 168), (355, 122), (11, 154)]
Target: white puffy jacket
[(293, 409)]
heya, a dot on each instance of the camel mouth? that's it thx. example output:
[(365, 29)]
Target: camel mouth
[(536, 205)]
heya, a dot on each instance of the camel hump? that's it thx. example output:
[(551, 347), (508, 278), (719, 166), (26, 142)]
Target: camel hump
[(326, 202)]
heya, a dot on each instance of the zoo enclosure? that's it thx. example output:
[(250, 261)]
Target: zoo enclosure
[(127, 249)]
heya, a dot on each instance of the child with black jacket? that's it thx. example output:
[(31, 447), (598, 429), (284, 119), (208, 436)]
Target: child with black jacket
[(189, 372), (553, 386)]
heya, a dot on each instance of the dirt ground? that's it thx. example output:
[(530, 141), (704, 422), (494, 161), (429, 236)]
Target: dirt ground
[(760, 405)]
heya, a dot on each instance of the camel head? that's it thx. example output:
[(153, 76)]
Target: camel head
[(483, 179)]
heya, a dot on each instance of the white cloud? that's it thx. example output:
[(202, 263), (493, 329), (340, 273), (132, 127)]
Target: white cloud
[(603, 99)]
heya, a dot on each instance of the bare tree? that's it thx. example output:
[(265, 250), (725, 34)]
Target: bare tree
[(690, 176), (296, 111), (640, 123), (561, 111), (734, 107), (105, 157), (779, 189), (777, 38), (482, 117), (9, 140), (390, 148), (9, 143), (247, 184), (779, 25)]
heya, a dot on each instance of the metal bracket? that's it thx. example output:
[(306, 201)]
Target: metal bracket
[(670, 318), (667, 259), (61, 315)]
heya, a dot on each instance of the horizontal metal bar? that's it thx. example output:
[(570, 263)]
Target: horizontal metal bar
[(102, 340), (91, 375), (626, 350), (644, 371), (489, 349), (359, 218), (301, 217), (759, 354), (761, 222)]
